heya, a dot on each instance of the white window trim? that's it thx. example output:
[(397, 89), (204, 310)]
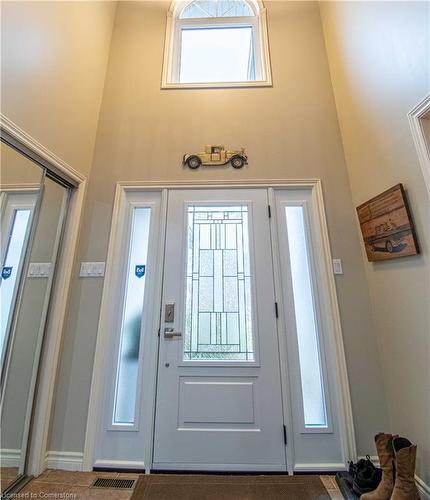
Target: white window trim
[(172, 46)]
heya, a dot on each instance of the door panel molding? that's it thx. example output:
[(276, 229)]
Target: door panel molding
[(209, 390), (337, 349)]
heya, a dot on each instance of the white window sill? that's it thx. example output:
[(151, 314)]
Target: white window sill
[(217, 85)]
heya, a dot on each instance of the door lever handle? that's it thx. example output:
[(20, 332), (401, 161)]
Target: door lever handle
[(169, 333)]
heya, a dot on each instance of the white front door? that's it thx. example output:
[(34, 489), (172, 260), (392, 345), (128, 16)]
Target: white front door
[(218, 404), (205, 258)]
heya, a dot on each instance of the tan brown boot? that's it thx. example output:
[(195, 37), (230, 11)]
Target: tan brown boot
[(386, 460), (405, 453)]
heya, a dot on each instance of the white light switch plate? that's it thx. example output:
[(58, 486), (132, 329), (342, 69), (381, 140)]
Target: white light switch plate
[(92, 269), (337, 266), (39, 270)]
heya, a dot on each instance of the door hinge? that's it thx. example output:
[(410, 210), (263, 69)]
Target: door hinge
[(276, 310), (269, 210), (159, 331), (285, 434)]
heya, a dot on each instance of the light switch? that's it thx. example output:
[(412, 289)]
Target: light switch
[(92, 269), (337, 266), (39, 270)]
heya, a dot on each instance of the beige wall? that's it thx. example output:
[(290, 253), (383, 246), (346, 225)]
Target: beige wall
[(16, 169), (380, 61), (53, 64), (289, 131)]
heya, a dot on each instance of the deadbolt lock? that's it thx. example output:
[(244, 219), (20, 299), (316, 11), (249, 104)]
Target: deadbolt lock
[(169, 312)]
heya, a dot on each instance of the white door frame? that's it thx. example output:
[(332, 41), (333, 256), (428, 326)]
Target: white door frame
[(415, 117), (148, 351), (30, 147), (336, 347), (329, 332)]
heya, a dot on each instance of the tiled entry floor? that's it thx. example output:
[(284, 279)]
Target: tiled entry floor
[(76, 486)]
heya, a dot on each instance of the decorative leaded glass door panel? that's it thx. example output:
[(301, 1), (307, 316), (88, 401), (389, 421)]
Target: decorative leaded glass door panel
[(218, 322), (219, 397)]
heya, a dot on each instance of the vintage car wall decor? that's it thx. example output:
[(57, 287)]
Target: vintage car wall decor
[(216, 155)]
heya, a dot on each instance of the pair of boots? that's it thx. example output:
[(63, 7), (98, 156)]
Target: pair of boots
[(397, 460)]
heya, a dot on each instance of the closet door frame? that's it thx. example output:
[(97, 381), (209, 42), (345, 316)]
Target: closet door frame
[(24, 143)]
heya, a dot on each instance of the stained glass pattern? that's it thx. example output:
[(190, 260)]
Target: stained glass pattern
[(218, 320)]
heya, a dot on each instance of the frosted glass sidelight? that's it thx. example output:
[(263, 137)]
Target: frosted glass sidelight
[(133, 315), (15, 247), (218, 319), (315, 414)]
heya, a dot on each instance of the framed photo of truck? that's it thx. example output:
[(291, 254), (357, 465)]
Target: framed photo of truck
[(387, 226)]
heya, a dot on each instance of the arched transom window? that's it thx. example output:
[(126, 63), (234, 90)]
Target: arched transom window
[(216, 43)]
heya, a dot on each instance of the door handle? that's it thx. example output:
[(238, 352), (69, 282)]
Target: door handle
[(169, 333)]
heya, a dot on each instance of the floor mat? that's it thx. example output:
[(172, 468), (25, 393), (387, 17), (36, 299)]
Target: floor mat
[(213, 487)]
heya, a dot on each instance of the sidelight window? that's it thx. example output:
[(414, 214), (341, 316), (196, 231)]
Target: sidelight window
[(128, 360), (314, 408)]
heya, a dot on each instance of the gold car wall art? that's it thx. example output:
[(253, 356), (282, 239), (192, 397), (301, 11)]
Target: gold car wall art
[(216, 155)]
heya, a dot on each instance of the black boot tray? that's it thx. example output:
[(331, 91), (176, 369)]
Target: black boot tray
[(344, 487)]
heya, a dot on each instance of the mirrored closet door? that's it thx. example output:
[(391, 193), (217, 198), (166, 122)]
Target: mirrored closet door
[(33, 210)]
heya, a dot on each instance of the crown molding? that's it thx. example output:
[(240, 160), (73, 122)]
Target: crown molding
[(28, 145)]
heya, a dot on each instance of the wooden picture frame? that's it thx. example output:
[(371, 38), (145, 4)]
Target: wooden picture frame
[(387, 226)]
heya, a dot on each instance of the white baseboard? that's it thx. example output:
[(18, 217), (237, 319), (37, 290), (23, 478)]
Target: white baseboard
[(73, 461), (120, 464), (423, 488), (10, 457), (64, 460), (323, 467)]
